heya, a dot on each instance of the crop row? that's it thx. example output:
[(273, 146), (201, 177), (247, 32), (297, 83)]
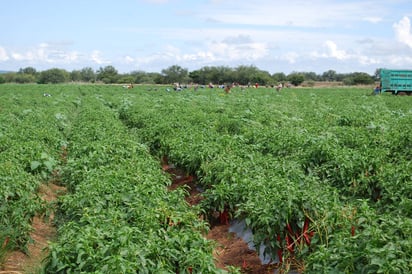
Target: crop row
[(118, 216), (30, 140), (317, 175), (320, 175)]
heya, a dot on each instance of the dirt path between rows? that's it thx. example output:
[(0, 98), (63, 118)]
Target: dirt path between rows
[(231, 250), (43, 232)]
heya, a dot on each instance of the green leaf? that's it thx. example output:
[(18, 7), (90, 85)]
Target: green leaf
[(34, 165)]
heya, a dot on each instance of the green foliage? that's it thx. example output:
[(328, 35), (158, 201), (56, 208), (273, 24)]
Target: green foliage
[(175, 74), (325, 173), (358, 78), (53, 76), (29, 147), (296, 78), (107, 75), (87, 74), (28, 70), (279, 160)]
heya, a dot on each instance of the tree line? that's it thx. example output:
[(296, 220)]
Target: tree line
[(242, 75)]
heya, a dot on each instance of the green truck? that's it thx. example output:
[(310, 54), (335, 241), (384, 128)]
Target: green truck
[(396, 81)]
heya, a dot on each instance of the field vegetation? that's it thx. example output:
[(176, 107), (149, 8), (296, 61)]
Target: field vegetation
[(320, 175)]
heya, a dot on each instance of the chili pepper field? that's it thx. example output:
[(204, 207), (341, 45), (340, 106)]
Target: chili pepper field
[(322, 176)]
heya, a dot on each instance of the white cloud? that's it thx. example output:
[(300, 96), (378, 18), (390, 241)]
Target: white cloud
[(331, 51), (45, 53), (373, 19), (403, 31), (366, 60), (97, 58), (290, 57), (297, 13), (229, 50), (3, 55), (128, 59), (239, 39), (334, 52)]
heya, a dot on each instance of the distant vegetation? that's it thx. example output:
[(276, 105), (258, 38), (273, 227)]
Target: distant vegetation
[(243, 75)]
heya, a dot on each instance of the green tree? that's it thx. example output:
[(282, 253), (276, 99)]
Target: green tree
[(244, 74), (310, 76), (262, 77), (53, 76), (157, 77), (28, 70), (358, 78), (139, 77), (223, 75), (296, 78), (197, 77), (75, 76), (329, 75), (2, 80), (175, 74), (87, 74), (107, 75), (377, 74), (205, 75), (126, 79), (279, 77), (26, 75), (23, 78)]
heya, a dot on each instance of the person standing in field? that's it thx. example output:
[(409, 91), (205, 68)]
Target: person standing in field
[(377, 90), (279, 87)]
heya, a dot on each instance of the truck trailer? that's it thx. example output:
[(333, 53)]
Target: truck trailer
[(396, 81)]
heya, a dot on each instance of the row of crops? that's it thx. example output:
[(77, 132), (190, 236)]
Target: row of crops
[(322, 175), (319, 175), (30, 140), (118, 216)]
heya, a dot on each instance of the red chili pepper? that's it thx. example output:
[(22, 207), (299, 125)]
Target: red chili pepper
[(224, 217), (290, 244), (280, 251), (280, 255), (289, 228), (306, 225), (307, 238), (298, 239)]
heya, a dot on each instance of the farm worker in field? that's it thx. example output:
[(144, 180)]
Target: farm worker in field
[(256, 85), (227, 89), (279, 87), (377, 90)]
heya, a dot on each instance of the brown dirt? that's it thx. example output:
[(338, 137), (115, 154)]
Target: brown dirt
[(231, 250), (43, 232)]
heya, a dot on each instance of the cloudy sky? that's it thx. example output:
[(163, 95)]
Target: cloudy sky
[(150, 35)]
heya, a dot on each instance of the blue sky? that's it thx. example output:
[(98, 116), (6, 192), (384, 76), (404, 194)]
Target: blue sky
[(151, 35)]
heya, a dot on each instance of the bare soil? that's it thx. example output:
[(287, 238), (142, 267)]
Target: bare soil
[(231, 250), (43, 232)]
